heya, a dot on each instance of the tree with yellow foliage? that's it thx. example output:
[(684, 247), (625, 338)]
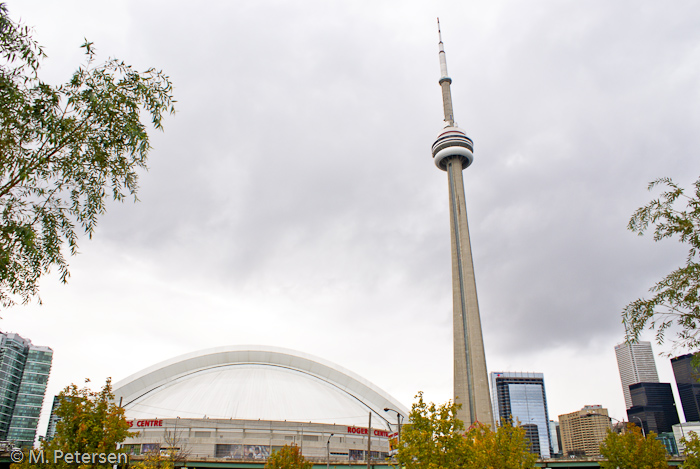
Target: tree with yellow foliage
[(288, 457), (692, 451), (91, 426), (435, 438), (632, 450)]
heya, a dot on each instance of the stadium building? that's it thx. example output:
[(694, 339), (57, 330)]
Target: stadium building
[(243, 403)]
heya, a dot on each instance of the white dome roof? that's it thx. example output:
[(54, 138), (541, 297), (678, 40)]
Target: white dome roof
[(255, 383)]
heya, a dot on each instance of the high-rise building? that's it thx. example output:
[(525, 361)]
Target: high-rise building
[(555, 435), (653, 406), (687, 377), (636, 364), (24, 373), (453, 152), (53, 420), (520, 399), (583, 431)]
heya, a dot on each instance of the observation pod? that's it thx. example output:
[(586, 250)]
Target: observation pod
[(453, 142)]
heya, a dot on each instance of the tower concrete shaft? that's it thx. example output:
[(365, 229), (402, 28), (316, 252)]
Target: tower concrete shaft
[(453, 152)]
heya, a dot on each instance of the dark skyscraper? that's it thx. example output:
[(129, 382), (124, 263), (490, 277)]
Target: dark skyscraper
[(654, 406), (688, 386)]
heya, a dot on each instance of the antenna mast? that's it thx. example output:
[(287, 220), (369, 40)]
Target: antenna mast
[(445, 82)]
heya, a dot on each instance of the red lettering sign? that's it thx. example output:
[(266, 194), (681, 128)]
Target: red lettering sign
[(364, 431), (359, 431), (146, 423)]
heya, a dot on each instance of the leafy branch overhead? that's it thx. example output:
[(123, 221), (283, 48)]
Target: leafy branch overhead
[(674, 298), (63, 151)]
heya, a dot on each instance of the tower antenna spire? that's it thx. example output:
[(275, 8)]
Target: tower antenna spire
[(445, 82)]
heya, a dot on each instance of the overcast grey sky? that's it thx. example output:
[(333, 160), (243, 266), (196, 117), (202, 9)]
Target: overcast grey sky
[(293, 201)]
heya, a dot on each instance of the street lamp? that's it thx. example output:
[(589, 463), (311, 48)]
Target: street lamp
[(328, 451), (610, 419), (641, 424), (398, 418)]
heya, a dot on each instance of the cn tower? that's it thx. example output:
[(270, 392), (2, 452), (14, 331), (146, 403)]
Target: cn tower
[(453, 152)]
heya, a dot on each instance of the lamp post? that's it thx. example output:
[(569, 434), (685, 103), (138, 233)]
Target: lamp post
[(398, 418), (328, 451), (610, 419), (641, 424)]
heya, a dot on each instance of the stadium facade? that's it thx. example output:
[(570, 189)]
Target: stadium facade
[(243, 403)]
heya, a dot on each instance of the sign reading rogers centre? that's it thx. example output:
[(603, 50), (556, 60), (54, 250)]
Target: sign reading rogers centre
[(363, 431), (145, 423)]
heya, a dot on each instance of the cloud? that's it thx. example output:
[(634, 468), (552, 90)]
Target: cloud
[(292, 199)]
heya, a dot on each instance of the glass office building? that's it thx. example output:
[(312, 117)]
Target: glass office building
[(555, 438), (520, 398), (24, 374), (53, 420)]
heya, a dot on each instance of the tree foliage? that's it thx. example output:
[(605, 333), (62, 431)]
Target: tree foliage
[(692, 451), (89, 423), (64, 150), (154, 460), (631, 450), (506, 448), (435, 438), (171, 452), (175, 447), (675, 298), (288, 457)]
